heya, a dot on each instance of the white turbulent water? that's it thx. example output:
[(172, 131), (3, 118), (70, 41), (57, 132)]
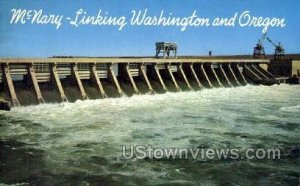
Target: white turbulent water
[(86, 137)]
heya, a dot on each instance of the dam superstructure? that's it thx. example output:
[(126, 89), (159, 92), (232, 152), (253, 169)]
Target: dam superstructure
[(26, 81)]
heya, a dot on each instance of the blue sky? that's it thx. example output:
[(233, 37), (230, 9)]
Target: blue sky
[(32, 40)]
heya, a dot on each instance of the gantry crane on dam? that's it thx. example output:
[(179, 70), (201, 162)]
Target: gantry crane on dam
[(165, 48), (259, 49)]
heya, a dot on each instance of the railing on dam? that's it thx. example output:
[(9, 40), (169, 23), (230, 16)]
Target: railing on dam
[(26, 81)]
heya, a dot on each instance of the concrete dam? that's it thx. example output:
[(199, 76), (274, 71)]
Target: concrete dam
[(28, 81)]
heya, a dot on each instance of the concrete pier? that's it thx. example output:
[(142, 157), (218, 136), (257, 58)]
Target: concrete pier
[(25, 81)]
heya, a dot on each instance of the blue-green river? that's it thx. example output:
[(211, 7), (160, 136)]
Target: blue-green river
[(81, 143)]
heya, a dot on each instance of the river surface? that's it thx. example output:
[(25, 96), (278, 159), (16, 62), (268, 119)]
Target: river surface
[(81, 143)]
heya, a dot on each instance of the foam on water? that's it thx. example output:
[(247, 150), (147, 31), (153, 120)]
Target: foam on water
[(295, 108), (86, 136)]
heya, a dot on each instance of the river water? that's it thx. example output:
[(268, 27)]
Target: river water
[(81, 143)]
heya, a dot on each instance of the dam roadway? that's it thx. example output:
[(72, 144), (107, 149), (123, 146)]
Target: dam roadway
[(27, 81), (131, 59)]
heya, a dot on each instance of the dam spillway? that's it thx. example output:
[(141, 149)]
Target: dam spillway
[(28, 81)]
